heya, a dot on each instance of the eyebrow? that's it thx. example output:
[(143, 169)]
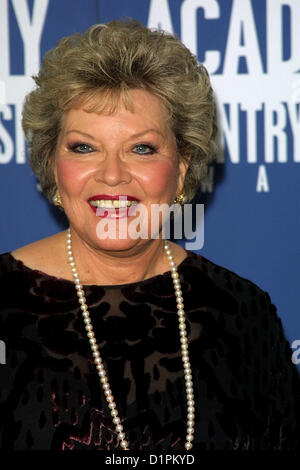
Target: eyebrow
[(139, 134)]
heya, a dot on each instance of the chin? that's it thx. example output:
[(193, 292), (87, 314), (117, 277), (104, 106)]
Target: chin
[(118, 245), (121, 235)]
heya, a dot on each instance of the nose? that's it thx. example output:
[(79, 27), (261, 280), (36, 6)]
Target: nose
[(112, 170)]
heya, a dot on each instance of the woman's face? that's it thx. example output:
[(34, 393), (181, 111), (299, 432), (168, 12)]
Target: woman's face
[(101, 158)]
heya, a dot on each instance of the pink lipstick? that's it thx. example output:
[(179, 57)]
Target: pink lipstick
[(114, 197), (101, 209)]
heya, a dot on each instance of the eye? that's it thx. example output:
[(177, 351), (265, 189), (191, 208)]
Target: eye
[(144, 149), (81, 147)]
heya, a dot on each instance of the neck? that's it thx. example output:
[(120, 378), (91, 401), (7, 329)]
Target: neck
[(98, 266)]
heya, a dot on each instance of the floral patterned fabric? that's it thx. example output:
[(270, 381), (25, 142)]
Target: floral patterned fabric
[(247, 390)]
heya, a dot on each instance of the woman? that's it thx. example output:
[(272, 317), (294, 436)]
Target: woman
[(121, 341)]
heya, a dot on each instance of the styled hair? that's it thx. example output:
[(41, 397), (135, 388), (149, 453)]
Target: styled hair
[(107, 61)]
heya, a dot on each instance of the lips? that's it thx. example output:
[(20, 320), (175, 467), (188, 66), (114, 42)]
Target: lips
[(113, 205)]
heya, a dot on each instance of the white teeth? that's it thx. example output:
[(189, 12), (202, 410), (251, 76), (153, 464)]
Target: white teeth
[(112, 203)]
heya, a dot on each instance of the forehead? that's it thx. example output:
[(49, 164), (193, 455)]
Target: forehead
[(138, 111)]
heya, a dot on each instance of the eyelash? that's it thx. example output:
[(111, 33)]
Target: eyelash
[(151, 147), (74, 148)]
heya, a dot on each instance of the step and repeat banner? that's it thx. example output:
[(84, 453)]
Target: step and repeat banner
[(251, 194)]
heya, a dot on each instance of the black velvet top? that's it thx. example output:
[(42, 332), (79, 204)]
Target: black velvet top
[(247, 390)]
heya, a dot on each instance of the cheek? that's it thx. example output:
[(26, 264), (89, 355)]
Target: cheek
[(160, 177), (71, 175)]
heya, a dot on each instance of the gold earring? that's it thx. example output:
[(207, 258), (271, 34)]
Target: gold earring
[(57, 199), (180, 198)]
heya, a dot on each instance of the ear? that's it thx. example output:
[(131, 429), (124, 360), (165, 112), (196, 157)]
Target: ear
[(183, 167), (54, 169)]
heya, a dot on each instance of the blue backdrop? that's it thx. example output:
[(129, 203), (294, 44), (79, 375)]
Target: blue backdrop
[(251, 195)]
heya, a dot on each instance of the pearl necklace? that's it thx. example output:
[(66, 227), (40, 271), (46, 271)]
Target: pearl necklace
[(98, 361)]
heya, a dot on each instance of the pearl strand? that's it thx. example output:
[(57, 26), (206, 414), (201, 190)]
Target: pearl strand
[(184, 350), (98, 360)]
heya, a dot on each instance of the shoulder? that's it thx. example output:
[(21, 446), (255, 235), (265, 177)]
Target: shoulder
[(34, 251), (236, 301), (42, 255), (221, 276), (227, 302)]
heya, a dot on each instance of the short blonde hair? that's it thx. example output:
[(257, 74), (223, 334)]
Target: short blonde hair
[(111, 59)]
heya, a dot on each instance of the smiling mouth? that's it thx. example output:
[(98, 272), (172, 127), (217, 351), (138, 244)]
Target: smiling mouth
[(112, 203), (115, 207)]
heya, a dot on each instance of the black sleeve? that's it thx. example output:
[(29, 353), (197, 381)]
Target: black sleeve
[(283, 420)]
